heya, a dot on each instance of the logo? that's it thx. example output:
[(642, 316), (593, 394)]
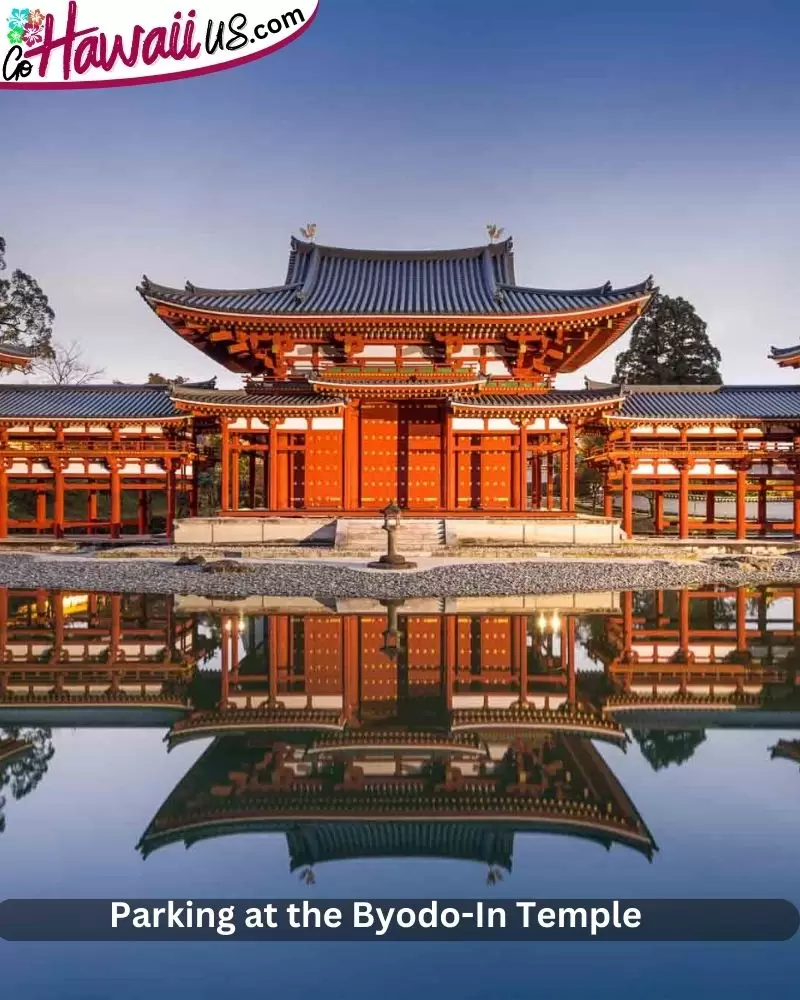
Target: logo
[(91, 43)]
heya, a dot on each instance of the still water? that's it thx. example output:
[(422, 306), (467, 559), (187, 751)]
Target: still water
[(599, 745)]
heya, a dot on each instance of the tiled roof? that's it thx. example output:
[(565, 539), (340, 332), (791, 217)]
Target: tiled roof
[(556, 398), (10, 351), (333, 280), (729, 402), (780, 353), (262, 400), (314, 843), (90, 402)]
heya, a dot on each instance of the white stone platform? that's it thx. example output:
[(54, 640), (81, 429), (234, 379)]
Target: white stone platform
[(416, 534)]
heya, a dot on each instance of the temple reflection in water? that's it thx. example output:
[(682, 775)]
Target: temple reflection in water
[(427, 728)]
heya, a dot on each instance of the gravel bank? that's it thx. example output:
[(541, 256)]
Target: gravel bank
[(312, 579)]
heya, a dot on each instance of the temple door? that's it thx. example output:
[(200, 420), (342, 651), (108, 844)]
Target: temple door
[(291, 469), (496, 472), (323, 658), (420, 456), (324, 465), (378, 675), (379, 454)]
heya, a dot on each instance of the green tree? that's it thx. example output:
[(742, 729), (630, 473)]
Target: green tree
[(662, 747), (669, 346), (21, 776), (26, 319)]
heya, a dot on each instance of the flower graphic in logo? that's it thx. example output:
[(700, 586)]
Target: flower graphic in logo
[(33, 34), (36, 17), (15, 36), (19, 18)]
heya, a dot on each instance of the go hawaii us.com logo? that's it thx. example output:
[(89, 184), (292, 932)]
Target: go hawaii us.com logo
[(97, 44)]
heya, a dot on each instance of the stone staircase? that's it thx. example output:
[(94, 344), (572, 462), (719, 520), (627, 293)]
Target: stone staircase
[(418, 536)]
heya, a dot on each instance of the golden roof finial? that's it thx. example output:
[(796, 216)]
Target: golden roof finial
[(494, 231), (309, 231)]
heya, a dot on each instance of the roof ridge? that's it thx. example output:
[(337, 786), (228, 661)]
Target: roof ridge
[(150, 287), (604, 289), (73, 387), (495, 249)]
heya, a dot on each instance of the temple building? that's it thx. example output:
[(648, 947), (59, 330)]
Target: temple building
[(425, 379), (399, 732), (709, 657), (76, 659), (422, 378)]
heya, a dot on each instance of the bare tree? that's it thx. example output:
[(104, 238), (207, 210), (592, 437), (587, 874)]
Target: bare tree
[(67, 366)]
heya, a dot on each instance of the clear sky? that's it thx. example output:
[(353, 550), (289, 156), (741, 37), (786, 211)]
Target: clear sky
[(611, 140)]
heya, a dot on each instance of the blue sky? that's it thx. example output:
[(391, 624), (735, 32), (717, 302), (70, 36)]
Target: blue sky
[(611, 140)]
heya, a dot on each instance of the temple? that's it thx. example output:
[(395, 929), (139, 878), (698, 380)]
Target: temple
[(399, 731), (76, 659), (425, 379), (438, 728)]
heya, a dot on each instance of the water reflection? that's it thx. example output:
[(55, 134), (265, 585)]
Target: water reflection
[(424, 728)]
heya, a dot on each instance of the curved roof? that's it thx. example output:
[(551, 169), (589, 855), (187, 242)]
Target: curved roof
[(12, 355), (728, 402), (327, 280), (87, 402), (786, 356)]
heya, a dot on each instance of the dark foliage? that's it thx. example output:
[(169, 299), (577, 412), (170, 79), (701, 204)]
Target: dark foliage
[(669, 346)]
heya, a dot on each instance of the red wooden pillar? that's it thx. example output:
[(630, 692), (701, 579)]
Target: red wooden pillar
[(92, 510), (449, 475), (683, 622), (627, 625), (627, 499), (58, 498), (741, 619), (683, 500), (550, 469), (194, 504), (142, 519), (569, 472), (350, 457), (41, 511), (741, 500), (116, 498), (171, 497), (4, 498), (522, 467), (272, 500), (350, 668), (658, 512), (519, 654), (450, 658), (608, 496), (762, 505), (568, 658), (115, 602), (225, 466), (235, 472)]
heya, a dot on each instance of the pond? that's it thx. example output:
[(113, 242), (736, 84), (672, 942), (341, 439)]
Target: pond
[(587, 745)]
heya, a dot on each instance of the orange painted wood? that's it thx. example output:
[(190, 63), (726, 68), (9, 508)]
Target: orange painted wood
[(378, 673), (323, 654), (379, 455), (324, 469), (741, 503), (496, 471), (423, 642), (420, 447)]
